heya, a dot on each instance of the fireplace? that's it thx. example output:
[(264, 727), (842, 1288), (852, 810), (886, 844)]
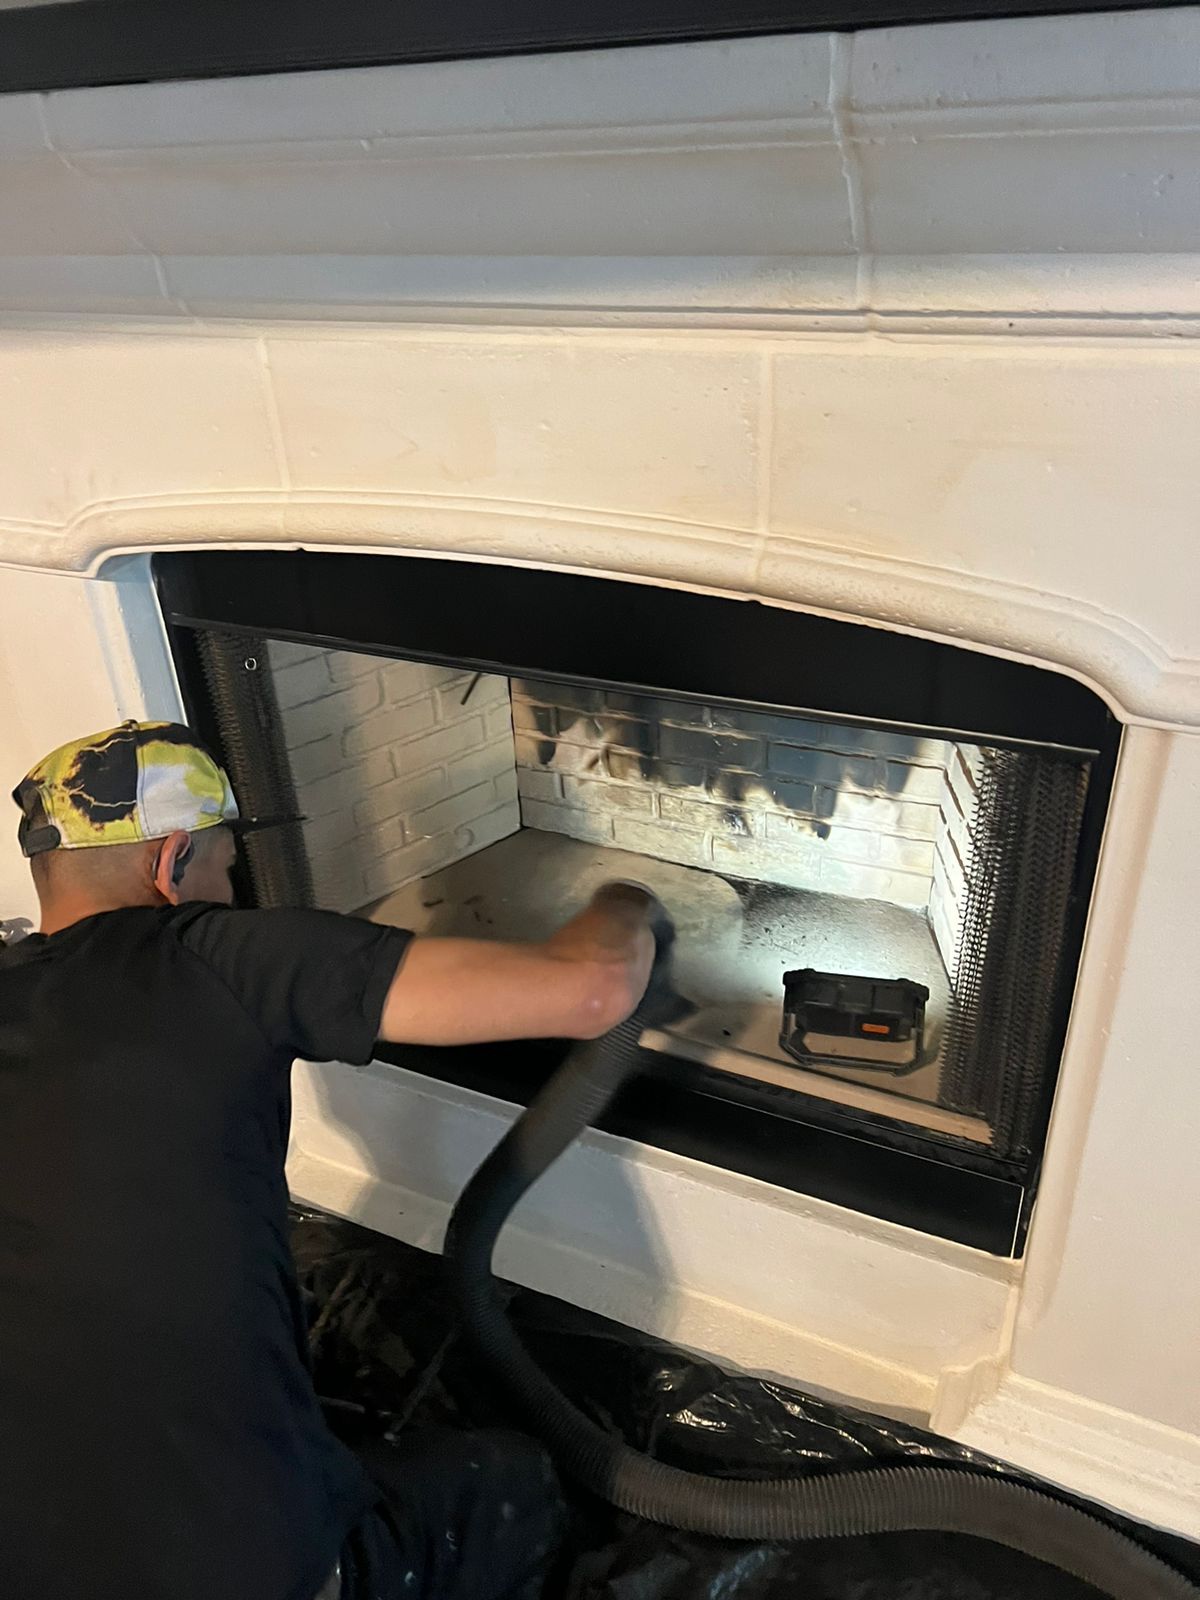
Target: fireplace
[(474, 748)]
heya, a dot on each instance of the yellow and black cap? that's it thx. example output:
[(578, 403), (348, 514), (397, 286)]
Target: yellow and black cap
[(142, 780)]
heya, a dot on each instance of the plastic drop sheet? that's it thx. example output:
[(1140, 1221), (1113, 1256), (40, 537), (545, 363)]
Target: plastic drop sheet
[(386, 1356)]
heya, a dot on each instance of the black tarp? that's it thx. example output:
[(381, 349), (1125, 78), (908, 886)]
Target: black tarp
[(385, 1356)]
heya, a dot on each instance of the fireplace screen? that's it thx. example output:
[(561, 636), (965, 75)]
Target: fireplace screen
[(878, 920)]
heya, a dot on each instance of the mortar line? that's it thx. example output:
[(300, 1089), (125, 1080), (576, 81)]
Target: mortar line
[(765, 443), (113, 209), (274, 421), (840, 47)]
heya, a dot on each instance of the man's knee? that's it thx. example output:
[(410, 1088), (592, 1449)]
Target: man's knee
[(471, 1514), (488, 1463), (510, 1469)]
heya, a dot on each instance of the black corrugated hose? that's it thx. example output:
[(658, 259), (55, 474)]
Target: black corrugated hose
[(844, 1504)]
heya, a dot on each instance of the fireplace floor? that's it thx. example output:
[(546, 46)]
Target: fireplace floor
[(735, 941)]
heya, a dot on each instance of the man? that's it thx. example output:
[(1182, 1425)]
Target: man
[(160, 1438)]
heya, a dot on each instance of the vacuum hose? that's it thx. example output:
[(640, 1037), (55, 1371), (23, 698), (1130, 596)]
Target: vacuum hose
[(884, 1499)]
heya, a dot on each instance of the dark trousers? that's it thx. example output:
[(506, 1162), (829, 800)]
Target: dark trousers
[(461, 1516)]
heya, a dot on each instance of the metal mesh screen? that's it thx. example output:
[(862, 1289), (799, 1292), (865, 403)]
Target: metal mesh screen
[(243, 699), (1026, 827)]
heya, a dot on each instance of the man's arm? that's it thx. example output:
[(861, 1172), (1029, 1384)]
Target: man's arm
[(577, 984)]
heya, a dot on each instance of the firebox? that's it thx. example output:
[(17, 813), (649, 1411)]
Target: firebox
[(878, 848)]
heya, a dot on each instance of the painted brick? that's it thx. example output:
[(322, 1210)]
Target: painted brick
[(853, 845), (542, 753), (692, 849), (452, 812), (857, 845), (490, 690), (814, 823), (897, 746), (342, 789), (395, 868), (608, 733), (316, 760), (798, 865), (917, 821), (589, 796), (488, 829), (830, 803), (943, 923), (955, 828), (403, 679), (547, 786), (817, 766), (874, 883), (623, 766), (877, 812), (909, 855), (679, 776), (769, 724), (948, 874), (283, 653), (740, 858), (324, 835), (402, 795), (657, 708), (498, 722), (384, 837), (562, 819), (343, 708), (339, 883), (783, 827), (347, 667), (378, 718), (528, 717), (713, 749), (304, 681), (575, 702), (711, 818), (779, 794), (915, 783), (388, 726), (963, 776), (439, 745), (489, 761)]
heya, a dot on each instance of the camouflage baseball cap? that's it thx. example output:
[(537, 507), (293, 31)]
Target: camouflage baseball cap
[(142, 780)]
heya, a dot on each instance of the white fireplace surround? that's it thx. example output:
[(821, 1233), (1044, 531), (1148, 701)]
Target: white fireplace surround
[(897, 327)]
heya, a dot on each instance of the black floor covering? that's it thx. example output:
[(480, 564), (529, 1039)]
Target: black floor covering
[(386, 1356)]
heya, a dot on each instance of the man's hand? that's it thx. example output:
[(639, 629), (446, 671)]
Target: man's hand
[(577, 984)]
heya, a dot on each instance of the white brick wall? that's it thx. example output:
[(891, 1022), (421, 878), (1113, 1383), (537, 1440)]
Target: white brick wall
[(952, 852), (395, 773), (756, 795)]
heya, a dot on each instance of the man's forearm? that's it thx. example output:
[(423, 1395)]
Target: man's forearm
[(576, 985)]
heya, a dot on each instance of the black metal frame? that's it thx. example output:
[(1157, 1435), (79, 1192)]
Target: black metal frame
[(91, 42), (610, 633)]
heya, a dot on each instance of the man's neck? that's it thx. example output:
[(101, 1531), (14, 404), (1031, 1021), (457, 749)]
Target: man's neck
[(65, 910)]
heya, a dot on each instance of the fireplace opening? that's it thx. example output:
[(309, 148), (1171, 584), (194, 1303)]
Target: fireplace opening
[(456, 802), (490, 791)]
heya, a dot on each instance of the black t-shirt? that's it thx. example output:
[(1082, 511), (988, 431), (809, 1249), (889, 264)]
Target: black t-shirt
[(159, 1434)]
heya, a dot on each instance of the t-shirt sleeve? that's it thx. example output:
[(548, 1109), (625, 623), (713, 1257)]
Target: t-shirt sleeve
[(313, 981)]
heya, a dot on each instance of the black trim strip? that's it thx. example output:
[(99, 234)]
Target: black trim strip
[(90, 42), (535, 623)]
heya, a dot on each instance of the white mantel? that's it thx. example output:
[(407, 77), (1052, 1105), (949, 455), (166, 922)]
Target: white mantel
[(900, 327)]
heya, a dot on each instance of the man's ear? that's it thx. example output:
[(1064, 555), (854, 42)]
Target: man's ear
[(170, 864)]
